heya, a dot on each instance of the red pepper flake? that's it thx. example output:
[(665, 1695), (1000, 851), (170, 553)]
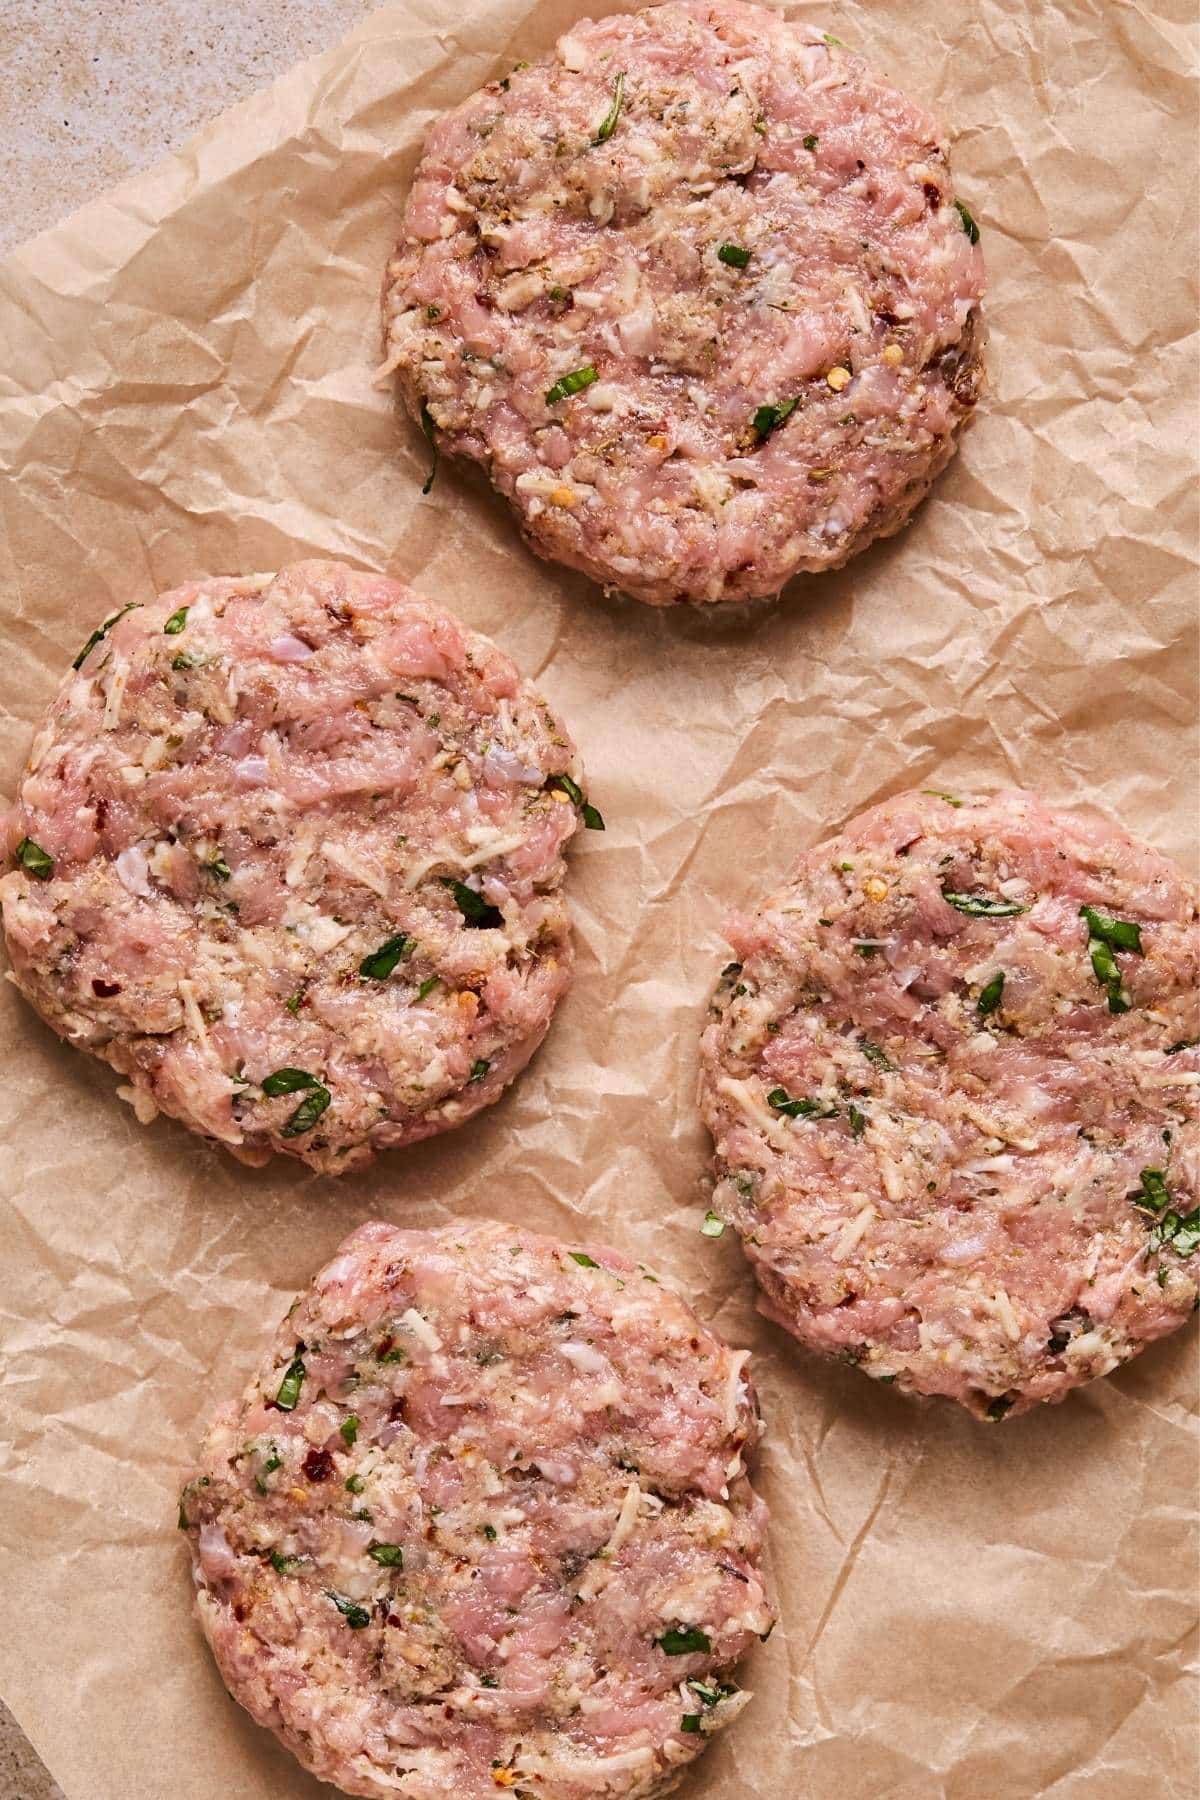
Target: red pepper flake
[(318, 1465)]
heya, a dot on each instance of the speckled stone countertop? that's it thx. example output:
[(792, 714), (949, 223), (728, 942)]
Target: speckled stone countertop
[(90, 92)]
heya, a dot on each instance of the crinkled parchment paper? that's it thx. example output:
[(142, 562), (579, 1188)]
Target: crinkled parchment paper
[(185, 388)]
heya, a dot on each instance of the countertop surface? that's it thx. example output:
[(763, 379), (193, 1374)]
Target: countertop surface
[(92, 91)]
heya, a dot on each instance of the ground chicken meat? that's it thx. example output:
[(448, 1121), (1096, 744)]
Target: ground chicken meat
[(951, 1080), (288, 854), (698, 293), (481, 1522)]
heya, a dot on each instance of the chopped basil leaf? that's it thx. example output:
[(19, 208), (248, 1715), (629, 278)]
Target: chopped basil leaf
[(349, 1430), (427, 986), (983, 906), (1152, 1196), (1183, 1044), (427, 426), (289, 1388), (288, 1081), (937, 794), (489, 1532), (1122, 934), (811, 141), (990, 995), (379, 965), (712, 1225), (101, 632), (1104, 968), (479, 1069), (781, 1101), (574, 793), (571, 384), (488, 1681), (285, 1565), (355, 1616), (858, 1122), (689, 1641), (219, 869), (968, 223), (1185, 1234), (293, 1002), (874, 1053), (388, 1556), (34, 860), (307, 1113), (830, 39), (355, 1484), (734, 255), (583, 1259), (609, 123), (769, 418), (176, 623), (690, 1722), (181, 660), (473, 907)]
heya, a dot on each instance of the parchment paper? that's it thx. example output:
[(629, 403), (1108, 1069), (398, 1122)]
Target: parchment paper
[(969, 1612)]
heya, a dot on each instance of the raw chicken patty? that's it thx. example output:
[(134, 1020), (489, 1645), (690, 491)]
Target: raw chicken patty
[(481, 1523), (288, 854), (951, 1080), (696, 290)]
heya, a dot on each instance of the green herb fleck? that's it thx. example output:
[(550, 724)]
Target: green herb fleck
[(379, 965), (990, 995), (1122, 934), (577, 797), (734, 255), (289, 1388), (1183, 1044), (34, 860), (288, 1081), (388, 1556), (689, 1641), (182, 661), (712, 1225), (489, 1532), (811, 141), (355, 1616), (583, 1259), (937, 794), (571, 384), (830, 39), (427, 426), (968, 223), (100, 633), (176, 623), (473, 907), (349, 1430), (427, 986), (858, 1122), (690, 1722), (609, 123), (355, 1484), (285, 1565), (479, 1069), (307, 1113), (294, 1000), (875, 1054), (983, 906), (769, 418), (781, 1101), (219, 869)]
